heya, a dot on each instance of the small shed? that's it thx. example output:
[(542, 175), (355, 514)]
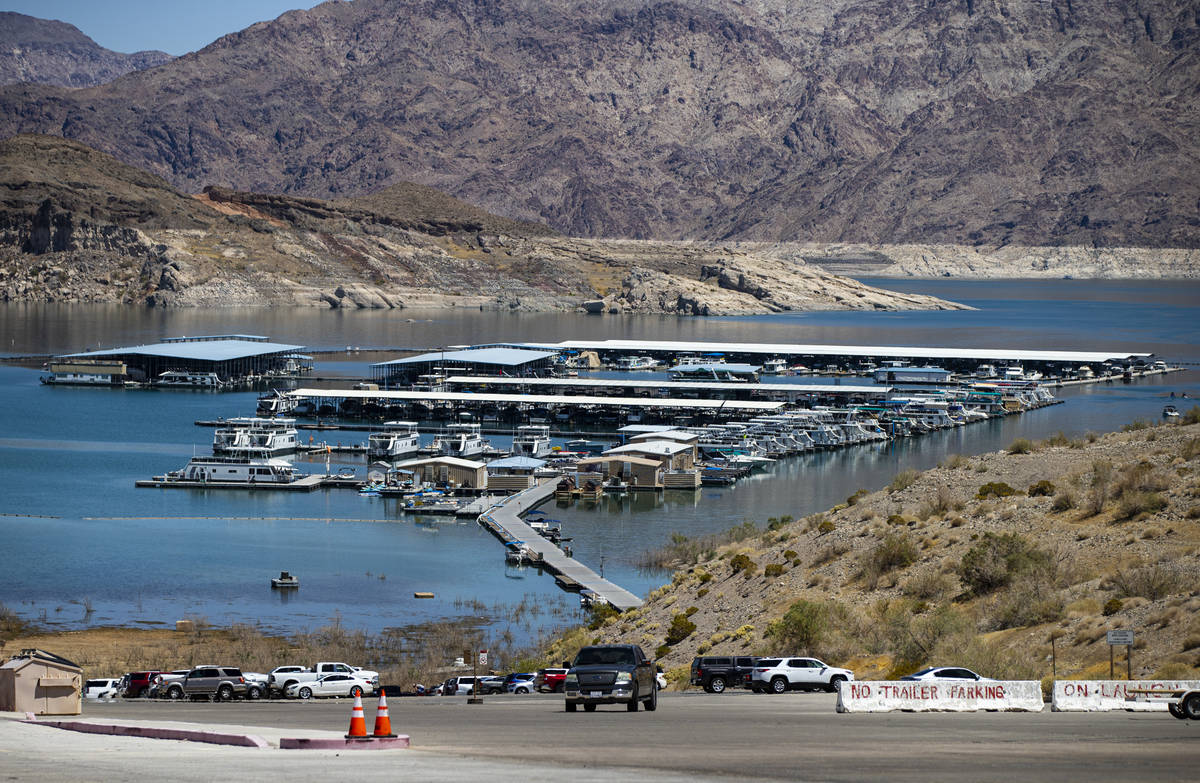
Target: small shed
[(635, 471), (454, 471), (513, 474), (42, 683)]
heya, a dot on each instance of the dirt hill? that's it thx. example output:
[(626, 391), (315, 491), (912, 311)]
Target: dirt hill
[(977, 122), (980, 563), (76, 225)]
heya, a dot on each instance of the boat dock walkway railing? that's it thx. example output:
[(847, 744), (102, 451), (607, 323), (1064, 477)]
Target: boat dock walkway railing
[(504, 520)]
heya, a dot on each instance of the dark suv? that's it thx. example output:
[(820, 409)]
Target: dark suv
[(611, 674), (220, 683), (715, 673)]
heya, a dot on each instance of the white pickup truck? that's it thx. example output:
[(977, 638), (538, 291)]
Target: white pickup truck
[(283, 676)]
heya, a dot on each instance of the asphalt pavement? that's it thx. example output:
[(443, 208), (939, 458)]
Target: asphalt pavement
[(692, 736)]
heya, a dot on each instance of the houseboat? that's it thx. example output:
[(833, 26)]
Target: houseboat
[(460, 440), (255, 437), (235, 470), (636, 363), (276, 403), (398, 439), (181, 379), (531, 440)]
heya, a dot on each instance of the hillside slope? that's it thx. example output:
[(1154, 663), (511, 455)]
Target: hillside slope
[(42, 51), (980, 122), (928, 572), (76, 225)]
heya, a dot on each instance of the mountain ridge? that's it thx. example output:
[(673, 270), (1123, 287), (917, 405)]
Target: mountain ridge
[(47, 51), (987, 122)]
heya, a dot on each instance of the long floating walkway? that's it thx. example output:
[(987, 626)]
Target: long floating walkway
[(504, 520)]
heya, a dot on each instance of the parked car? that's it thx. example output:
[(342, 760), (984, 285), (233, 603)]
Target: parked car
[(778, 675), (519, 682), (459, 686), (160, 682), (715, 673), (137, 684), (611, 674), (95, 690), (283, 677), (330, 685), (945, 673), (220, 683), (549, 680), (256, 685), (660, 680), (491, 684)]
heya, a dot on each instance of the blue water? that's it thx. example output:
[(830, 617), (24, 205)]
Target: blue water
[(71, 455)]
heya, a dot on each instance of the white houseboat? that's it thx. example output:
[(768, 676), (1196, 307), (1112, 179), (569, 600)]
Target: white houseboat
[(397, 439), (460, 440), (181, 379), (531, 440), (255, 437), (235, 470)]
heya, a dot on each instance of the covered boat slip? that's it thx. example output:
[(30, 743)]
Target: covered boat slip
[(461, 399), (723, 390), (859, 352), (229, 356)]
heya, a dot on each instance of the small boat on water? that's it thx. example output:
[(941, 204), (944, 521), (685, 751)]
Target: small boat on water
[(285, 579), (1170, 412)]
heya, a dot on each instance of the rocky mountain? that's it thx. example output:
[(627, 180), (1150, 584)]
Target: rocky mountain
[(42, 51), (76, 225), (961, 122)]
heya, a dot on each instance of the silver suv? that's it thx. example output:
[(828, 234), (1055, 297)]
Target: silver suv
[(220, 683)]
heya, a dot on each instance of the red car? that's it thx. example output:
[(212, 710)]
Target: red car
[(137, 684), (550, 680)]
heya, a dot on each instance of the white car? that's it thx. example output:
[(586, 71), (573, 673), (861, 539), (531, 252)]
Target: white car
[(778, 675), (944, 673), (660, 680), (330, 685), (94, 690)]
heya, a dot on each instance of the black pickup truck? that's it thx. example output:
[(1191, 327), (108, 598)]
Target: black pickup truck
[(611, 674), (715, 673)]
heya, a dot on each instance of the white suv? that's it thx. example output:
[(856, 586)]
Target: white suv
[(777, 675)]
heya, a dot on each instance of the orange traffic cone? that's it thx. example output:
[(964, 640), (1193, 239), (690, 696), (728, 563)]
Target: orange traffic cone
[(358, 723), (383, 724)]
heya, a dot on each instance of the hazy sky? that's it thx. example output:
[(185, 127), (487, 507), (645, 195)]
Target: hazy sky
[(173, 26)]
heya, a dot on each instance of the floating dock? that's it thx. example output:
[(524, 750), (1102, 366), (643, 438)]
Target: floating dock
[(504, 520)]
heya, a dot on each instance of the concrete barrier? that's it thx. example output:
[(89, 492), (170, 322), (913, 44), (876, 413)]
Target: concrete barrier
[(152, 732), (1109, 695), (944, 696)]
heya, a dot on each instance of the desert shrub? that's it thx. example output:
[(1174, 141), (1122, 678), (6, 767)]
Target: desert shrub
[(896, 519), (1192, 415), (896, 550), (790, 554), (600, 614), (802, 627), (1058, 439), (741, 563), (827, 526), (1101, 486), (1041, 488), (704, 577), (772, 570), (703, 648), (1028, 603), (997, 560), (1020, 446), (1137, 503), (857, 496), (995, 489), (1063, 501), (927, 586), (703, 591), (774, 524), (1112, 606), (681, 628), (662, 650), (954, 461), (828, 554), (691, 610), (1191, 449), (938, 505), (1136, 425), (685, 550), (903, 480), (1153, 582)]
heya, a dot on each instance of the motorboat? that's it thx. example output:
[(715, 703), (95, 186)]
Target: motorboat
[(637, 363), (397, 439), (285, 580), (1170, 412), (255, 437)]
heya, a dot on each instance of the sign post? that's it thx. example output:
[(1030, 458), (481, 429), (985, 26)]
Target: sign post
[(1122, 637)]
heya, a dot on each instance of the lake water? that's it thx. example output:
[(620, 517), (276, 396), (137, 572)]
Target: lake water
[(74, 528)]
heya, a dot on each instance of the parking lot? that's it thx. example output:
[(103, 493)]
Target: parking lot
[(742, 735)]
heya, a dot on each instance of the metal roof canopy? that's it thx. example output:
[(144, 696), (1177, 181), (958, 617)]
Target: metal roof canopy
[(785, 349), (505, 356), (539, 399), (199, 350), (791, 388)]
